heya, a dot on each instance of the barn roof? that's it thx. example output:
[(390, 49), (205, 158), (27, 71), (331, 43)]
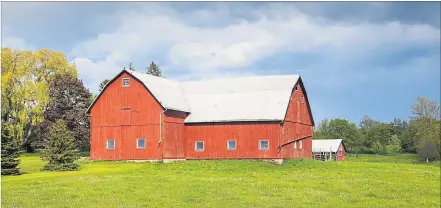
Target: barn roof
[(258, 98), (326, 145), (169, 94)]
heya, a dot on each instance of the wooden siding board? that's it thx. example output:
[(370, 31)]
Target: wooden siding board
[(297, 124), (141, 120), (247, 136), (108, 120)]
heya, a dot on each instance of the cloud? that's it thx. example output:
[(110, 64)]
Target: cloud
[(16, 43), (210, 50)]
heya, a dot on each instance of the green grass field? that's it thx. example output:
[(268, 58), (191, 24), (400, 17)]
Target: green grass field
[(362, 181)]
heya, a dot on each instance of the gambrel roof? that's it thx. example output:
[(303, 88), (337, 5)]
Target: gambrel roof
[(258, 98)]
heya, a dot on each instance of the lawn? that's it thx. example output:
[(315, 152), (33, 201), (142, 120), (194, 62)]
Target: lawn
[(360, 181)]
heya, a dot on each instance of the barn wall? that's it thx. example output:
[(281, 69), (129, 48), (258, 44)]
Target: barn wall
[(297, 124), (173, 134), (125, 114), (343, 153), (246, 134)]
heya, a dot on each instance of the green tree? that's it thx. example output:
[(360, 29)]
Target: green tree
[(154, 70), (10, 152), (394, 145), (26, 76), (425, 128), (376, 135), (401, 129), (69, 102), (341, 129), (322, 130), (103, 84), (60, 149)]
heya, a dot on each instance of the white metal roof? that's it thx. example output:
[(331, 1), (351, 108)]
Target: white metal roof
[(258, 98), (325, 145), (169, 93)]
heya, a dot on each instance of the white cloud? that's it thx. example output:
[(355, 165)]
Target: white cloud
[(16, 43), (207, 50)]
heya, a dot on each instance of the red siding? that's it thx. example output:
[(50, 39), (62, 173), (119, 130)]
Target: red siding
[(173, 134), (125, 114), (246, 134), (342, 157), (298, 124)]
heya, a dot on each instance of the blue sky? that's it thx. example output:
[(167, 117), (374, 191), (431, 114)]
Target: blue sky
[(356, 58)]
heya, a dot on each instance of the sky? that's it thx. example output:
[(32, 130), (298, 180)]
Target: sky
[(355, 58)]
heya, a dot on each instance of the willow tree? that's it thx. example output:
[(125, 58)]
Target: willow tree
[(26, 76)]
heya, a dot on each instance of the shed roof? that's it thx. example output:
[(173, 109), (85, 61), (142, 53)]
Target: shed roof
[(326, 145), (257, 98)]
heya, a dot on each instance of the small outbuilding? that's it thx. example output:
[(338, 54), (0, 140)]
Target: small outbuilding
[(328, 149)]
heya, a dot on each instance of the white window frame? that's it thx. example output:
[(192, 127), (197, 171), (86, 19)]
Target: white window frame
[(260, 144), (295, 145), (196, 146), (137, 143), (228, 144), (128, 82), (300, 144), (341, 150), (107, 144)]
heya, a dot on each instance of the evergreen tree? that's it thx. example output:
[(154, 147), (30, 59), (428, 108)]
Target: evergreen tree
[(131, 67), (60, 149), (154, 70), (103, 84), (69, 102), (10, 152)]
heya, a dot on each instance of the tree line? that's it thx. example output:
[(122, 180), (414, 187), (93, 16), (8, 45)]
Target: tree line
[(43, 109), (420, 134)]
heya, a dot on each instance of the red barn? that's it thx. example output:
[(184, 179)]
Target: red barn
[(142, 117)]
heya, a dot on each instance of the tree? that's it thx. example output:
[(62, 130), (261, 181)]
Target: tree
[(10, 152), (425, 128), (60, 151), (322, 130), (154, 70), (394, 145), (103, 84), (131, 67), (69, 102), (425, 108), (376, 135), (401, 129), (26, 76)]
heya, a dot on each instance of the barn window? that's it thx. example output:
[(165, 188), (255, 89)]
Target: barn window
[(125, 82), (340, 151), (231, 144), (300, 145), (140, 144), (295, 88), (110, 144), (295, 145), (199, 146), (263, 144)]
